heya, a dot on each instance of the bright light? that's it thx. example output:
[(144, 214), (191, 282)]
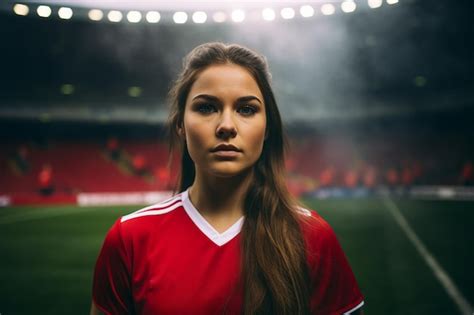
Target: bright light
[(134, 16), (374, 3), (21, 9), (95, 15), (115, 16), (268, 14), (180, 17), (392, 1), (328, 9), (43, 11), (306, 11), (65, 13), (153, 17), (199, 17), (238, 15), (219, 17), (348, 6), (287, 13)]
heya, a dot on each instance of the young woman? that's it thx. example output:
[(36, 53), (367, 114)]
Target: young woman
[(233, 240)]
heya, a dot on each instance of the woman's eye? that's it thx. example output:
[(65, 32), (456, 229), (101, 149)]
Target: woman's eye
[(206, 108), (247, 110)]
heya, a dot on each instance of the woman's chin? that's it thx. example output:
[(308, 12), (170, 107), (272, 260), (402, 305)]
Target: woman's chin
[(228, 171)]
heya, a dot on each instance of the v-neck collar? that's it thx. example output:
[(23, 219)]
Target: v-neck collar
[(218, 238)]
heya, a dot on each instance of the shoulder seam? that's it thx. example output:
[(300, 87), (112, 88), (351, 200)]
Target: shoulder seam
[(304, 211), (156, 209)]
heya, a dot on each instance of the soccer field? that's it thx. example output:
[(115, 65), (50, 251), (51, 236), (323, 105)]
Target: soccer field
[(48, 254)]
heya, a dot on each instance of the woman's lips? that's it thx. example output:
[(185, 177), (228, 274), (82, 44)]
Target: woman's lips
[(226, 153)]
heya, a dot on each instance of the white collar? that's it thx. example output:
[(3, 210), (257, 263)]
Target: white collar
[(216, 237)]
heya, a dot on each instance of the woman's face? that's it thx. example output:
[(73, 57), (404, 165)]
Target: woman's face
[(224, 121)]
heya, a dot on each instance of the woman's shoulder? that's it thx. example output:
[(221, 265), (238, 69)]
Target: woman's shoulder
[(316, 230), (157, 209), (148, 217)]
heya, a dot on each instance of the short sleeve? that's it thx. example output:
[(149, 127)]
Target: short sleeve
[(333, 284), (111, 291)]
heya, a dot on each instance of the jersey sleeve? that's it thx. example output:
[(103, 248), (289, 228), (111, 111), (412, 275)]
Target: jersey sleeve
[(111, 291), (334, 287)]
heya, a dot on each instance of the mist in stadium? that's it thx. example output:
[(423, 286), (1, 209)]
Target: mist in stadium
[(377, 99)]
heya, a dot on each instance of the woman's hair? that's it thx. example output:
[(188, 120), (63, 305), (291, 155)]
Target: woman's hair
[(274, 269)]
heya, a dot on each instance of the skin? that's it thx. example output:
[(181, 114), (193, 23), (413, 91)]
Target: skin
[(224, 105)]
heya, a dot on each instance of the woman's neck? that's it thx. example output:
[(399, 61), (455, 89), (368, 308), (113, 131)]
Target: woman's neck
[(220, 200)]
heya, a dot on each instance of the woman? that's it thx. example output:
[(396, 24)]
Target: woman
[(233, 240)]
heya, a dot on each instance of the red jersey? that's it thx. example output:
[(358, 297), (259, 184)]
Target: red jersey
[(167, 259)]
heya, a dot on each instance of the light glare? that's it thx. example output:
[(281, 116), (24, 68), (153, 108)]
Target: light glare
[(348, 6), (95, 15), (238, 15), (374, 3), (199, 17), (287, 13), (328, 9), (134, 16), (392, 1), (115, 16), (219, 17), (43, 11), (306, 11), (65, 13), (153, 17), (180, 17), (21, 9), (268, 14)]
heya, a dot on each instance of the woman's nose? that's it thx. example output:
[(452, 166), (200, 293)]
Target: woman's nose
[(226, 127)]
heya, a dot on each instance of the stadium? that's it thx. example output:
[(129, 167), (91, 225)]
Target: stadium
[(377, 99)]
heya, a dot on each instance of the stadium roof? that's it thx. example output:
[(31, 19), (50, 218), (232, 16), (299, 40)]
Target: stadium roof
[(396, 59)]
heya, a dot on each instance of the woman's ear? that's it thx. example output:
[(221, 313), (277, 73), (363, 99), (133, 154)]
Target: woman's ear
[(181, 132)]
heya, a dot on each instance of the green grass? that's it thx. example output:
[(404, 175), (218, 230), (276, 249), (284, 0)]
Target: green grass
[(47, 255)]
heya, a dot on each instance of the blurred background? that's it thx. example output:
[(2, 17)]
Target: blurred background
[(377, 98)]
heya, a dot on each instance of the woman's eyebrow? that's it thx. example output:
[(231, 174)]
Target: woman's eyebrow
[(206, 97), (240, 99), (249, 98)]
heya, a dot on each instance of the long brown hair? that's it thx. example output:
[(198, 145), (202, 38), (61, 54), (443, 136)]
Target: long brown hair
[(274, 269)]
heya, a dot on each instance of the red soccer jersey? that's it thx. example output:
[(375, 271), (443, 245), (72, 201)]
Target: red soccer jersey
[(167, 259)]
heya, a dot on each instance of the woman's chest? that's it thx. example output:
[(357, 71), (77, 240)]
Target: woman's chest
[(198, 278)]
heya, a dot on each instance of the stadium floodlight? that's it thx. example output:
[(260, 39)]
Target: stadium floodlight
[(134, 91), (219, 17), (95, 15), (373, 4), (268, 14), (392, 1), (134, 16), (43, 11), (115, 16), (65, 13), (238, 15), (328, 9), (21, 9), (199, 17), (153, 17), (180, 17), (67, 89), (287, 13), (348, 6), (306, 11)]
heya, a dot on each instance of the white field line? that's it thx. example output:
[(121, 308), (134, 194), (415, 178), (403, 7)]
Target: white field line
[(42, 214), (438, 271)]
